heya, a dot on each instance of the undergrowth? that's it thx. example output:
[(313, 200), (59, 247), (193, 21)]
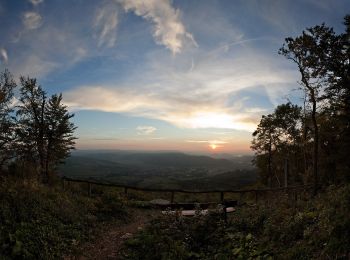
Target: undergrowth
[(40, 222), (314, 229)]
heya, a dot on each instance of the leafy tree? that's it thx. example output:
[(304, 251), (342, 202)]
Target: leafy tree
[(59, 132), (32, 124), (277, 138), (264, 142), (7, 85), (45, 131), (309, 52)]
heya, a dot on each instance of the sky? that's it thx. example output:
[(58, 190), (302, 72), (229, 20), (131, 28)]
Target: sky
[(181, 75)]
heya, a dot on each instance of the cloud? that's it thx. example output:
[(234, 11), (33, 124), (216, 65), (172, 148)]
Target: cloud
[(105, 25), (32, 20), (207, 141), (168, 28), (145, 130), (36, 2), (221, 92), (34, 66), (3, 56)]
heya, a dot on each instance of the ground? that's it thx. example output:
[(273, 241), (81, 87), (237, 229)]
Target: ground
[(108, 243)]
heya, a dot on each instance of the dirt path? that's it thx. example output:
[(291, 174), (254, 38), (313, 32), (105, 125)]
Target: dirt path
[(108, 244)]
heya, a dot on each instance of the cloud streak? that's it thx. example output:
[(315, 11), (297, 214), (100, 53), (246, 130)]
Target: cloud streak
[(168, 28), (36, 2), (211, 96), (145, 130), (32, 20), (105, 25), (3, 56)]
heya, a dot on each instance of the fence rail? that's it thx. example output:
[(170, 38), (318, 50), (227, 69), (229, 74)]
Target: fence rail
[(256, 192)]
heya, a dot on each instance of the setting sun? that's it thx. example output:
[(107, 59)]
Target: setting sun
[(213, 146)]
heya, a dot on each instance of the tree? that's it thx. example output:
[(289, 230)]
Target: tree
[(7, 137), (45, 131), (59, 132), (309, 52), (31, 129), (277, 138), (264, 142)]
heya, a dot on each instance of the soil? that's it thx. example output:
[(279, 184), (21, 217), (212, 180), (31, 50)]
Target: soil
[(107, 245)]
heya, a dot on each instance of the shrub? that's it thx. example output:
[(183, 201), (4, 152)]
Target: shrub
[(38, 222)]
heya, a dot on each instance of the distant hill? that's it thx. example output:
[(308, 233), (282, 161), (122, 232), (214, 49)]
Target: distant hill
[(159, 169)]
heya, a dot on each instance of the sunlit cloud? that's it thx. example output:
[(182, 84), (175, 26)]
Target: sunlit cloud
[(3, 56), (32, 20), (207, 141), (145, 130), (105, 25), (169, 110), (207, 97), (168, 28)]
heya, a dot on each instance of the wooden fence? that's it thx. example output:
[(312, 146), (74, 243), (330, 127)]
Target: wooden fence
[(255, 192)]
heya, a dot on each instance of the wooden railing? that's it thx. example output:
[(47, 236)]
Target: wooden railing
[(256, 192)]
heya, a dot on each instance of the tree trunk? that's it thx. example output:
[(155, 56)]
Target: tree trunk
[(270, 165), (316, 138)]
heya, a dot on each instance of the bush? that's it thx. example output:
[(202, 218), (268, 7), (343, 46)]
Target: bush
[(314, 229), (38, 222)]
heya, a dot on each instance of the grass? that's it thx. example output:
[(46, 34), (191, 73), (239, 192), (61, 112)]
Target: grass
[(40, 222), (318, 228)]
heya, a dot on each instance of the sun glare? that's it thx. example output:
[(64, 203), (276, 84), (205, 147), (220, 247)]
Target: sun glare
[(213, 146)]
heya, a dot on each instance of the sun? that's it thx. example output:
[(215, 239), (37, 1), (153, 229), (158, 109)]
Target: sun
[(213, 146)]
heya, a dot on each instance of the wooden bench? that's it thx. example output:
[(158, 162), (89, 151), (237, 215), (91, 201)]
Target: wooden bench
[(190, 209)]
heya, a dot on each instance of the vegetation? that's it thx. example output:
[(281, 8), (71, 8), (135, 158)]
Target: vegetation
[(320, 129), (37, 133), (38, 222), (311, 229), (293, 144)]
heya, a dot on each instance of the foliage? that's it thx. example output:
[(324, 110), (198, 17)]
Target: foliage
[(45, 133), (315, 142), (198, 237), (37, 222), (314, 229), (7, 136)]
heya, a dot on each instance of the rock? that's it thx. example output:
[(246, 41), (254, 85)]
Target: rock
[(160, 202), (126, 236)]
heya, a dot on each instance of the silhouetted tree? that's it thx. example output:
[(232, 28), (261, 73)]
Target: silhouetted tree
[(59, 132), (31, 131), (7, 136), (277, 139), (309, 52), (45, 130), (264, 143)]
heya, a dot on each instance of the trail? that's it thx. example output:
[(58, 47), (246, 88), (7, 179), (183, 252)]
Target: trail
[(108, 244)]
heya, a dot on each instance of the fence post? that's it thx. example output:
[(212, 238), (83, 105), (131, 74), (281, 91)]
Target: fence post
[(89, 189), (63, 184), (286, 173), (221, 196), (172, 197)]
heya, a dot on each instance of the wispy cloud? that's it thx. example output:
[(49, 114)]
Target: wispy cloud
[(36, 2), (168, 28), (3, 56), (207, 141), (105, 24), (145, 130), (210, 96), (32, 20)]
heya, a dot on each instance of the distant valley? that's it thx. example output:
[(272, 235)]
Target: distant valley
[(168, 170)]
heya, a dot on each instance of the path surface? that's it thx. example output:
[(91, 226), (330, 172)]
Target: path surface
[(108, 244)]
